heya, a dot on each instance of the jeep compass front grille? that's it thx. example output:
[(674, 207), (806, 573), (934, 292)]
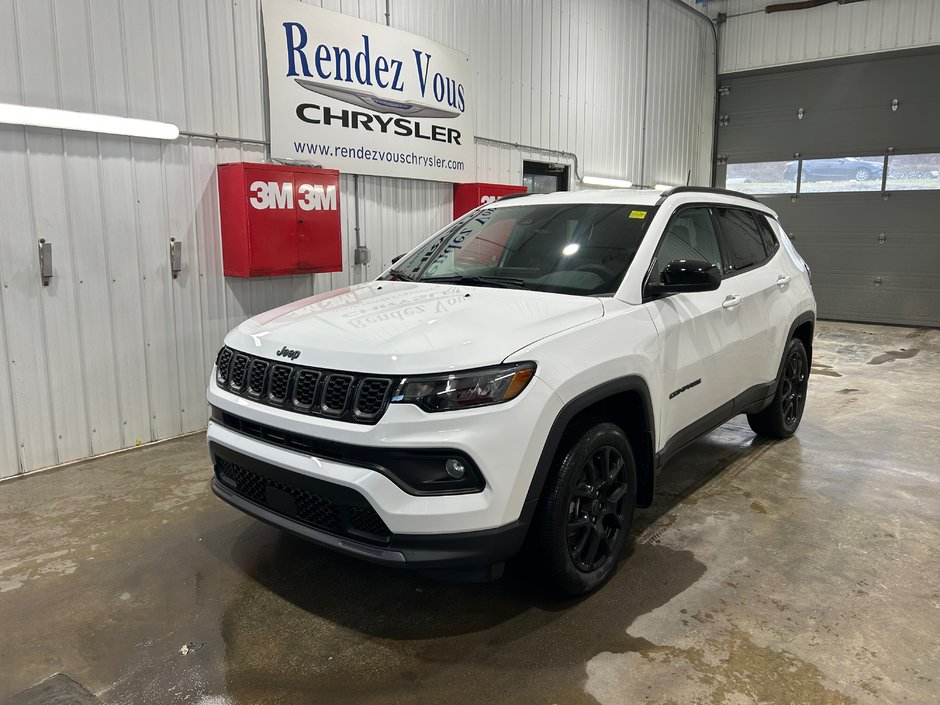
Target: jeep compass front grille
[(305, 390)]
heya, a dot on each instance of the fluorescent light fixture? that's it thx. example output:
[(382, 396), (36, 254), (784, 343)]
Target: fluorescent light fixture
[(604, 181), (663, 187), (86, 122)]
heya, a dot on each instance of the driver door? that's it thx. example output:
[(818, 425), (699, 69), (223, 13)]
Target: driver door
[(700, 335)]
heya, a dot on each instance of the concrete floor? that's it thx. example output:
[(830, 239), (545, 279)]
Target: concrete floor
[(803, 571)]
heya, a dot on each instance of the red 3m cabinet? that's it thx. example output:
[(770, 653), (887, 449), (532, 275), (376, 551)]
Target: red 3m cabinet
[(279, 220), (469, 196)]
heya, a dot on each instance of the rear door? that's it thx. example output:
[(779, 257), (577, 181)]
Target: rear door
[(755, 273)]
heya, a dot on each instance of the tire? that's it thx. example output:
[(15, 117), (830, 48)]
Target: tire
[(862, 174), (587, 508), (782, 417)]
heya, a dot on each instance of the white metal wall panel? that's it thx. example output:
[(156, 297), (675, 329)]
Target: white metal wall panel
[(9, 142), (22, 309), (680, 98), (558, 74), (115, 351), (397, 214), (752, 39)]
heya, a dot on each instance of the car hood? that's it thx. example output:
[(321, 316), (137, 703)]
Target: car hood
[(388, 327)]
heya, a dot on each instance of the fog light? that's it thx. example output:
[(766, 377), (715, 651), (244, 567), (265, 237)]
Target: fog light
[(455, 468)]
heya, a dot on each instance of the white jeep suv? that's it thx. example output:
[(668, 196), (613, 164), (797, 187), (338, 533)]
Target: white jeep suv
[(524, 372)]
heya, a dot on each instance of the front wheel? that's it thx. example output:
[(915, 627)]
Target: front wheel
[(587, 510), (782, 417), (862, 175)]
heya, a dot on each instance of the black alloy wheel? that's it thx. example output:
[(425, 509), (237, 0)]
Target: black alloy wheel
[(793, 389), (596, 510), (586, 507), (782, 416)]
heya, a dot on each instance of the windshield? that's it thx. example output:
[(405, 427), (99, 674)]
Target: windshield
[(567, 248)]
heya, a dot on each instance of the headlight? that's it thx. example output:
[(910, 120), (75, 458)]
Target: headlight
[(464, 390)]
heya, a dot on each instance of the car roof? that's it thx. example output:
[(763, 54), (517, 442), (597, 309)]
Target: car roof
[(638, 197)]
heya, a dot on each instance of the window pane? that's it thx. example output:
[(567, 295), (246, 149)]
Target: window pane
[(913, 172), (742, 237), (767, 234), (691, 235), (842, 174), (762, 177), (570, 248)]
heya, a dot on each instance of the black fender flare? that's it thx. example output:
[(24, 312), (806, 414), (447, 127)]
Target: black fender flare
[(805, 317), (629, 383)]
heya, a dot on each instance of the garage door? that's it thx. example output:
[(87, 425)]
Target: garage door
[(848, 153)]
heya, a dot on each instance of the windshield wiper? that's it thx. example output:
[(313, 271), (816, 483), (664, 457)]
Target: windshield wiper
[(401, 275), (499, 282)]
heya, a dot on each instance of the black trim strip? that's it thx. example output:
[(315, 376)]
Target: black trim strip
[(464, 550), (417, 471), (704, 189), (332, 508)]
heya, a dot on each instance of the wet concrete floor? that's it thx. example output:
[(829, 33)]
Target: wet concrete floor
[(801, 571)]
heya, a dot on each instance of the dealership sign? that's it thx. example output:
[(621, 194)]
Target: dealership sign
[(363, 98)]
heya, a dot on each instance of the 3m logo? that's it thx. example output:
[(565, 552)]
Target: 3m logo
[(272, 195)]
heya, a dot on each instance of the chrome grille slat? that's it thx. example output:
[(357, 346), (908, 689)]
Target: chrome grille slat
[(345, 396)]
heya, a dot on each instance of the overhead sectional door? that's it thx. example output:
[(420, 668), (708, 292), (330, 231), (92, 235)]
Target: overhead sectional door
[(848, 154)]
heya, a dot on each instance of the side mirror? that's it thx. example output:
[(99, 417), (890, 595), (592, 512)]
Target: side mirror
[(687, 275), (398, 257)]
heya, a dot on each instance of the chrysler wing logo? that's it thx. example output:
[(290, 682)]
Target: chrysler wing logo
[(364, 99), (288, 353)]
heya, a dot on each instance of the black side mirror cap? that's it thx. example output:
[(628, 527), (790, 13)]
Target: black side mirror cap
[(687, 275)]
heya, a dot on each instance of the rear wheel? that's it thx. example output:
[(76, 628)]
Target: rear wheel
[(587, 510), (782, 417)]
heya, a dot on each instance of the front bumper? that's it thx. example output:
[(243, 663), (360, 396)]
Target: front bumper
[(340, 518), (504, 441)]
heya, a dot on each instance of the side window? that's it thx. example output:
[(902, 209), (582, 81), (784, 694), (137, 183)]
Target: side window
[(766, 234), (743, 239), (690, 235)]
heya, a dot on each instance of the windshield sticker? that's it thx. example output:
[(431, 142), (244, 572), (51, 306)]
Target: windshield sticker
[(638, 214), (457, 242)]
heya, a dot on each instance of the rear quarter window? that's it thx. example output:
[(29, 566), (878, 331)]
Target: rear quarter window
[(743, 239), (771, 245)]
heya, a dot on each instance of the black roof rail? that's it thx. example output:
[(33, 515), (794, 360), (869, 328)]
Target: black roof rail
[(703, 189), (513, 195)]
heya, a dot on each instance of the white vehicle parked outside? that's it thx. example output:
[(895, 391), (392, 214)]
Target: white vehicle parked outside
[(522, 374)]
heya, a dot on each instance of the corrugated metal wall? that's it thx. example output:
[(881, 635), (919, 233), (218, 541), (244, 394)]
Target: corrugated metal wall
[(116, 352), (753, 39)]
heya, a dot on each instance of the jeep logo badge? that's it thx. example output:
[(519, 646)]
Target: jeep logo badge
[(290, 354)]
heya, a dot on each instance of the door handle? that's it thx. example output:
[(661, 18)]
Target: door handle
[(783, 280), (731, 302)]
